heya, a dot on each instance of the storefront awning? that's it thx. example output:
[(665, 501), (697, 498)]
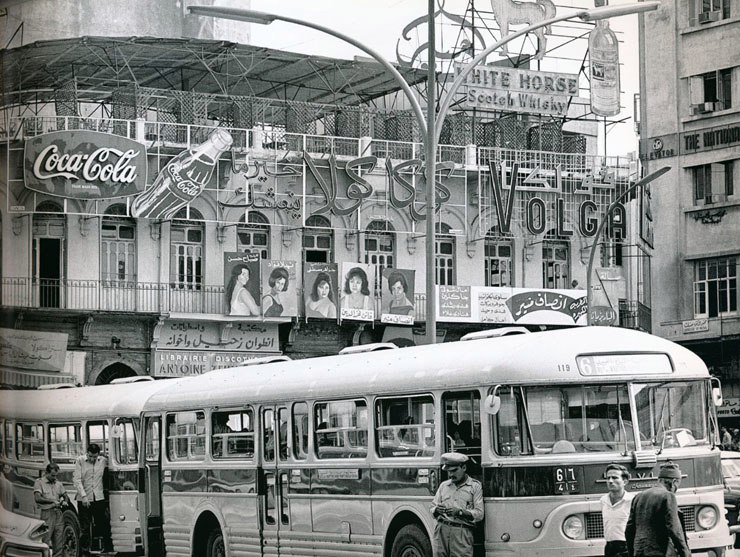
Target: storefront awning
[(15, 378)]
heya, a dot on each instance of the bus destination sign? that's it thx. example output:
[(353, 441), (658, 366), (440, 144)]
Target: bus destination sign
[(624, 364)]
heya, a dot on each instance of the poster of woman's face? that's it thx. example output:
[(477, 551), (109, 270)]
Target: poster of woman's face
[(397, 296), (279, 288), (242, 283), (357, 300), (320, 290)]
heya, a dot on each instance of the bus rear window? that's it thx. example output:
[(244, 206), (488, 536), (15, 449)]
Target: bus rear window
[(341, 429)]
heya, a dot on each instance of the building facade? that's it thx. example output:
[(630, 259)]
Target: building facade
[(169, 218), (690, 120)]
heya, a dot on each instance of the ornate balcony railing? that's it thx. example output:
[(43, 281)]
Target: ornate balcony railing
[(126, 297)]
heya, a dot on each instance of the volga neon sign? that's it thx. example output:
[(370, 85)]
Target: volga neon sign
[(536, 208)]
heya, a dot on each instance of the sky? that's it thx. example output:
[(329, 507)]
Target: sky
[(379, 24)]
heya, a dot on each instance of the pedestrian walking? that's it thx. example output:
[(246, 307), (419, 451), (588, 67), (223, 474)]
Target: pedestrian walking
[(615, 510), (50, 495), (457, 506), (654, 522), (88, 479)]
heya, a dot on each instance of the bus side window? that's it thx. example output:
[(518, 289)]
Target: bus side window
[(9, 445), (232, 434), (300, 430), (125, 446), (405, 426), (97, 432), (152, 440), (462, 426), (65, 442), (186, 436), (341, 429), (30, 442), (510, 428)]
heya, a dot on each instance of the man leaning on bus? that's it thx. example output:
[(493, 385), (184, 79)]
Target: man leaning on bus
[(93, 507), (457, 506)]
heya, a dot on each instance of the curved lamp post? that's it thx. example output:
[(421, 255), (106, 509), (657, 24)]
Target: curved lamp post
[(604, 219), (430, 129)]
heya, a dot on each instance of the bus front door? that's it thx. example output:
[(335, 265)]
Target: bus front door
[(150, 502), (274, 478)]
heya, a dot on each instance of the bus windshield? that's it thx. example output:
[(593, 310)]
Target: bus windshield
[(671, 415), (597, 418)]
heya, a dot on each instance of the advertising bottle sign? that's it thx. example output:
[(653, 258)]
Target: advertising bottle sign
[(604, 56), (182, 179)]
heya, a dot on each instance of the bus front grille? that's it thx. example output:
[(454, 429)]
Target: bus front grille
[(595, 522)]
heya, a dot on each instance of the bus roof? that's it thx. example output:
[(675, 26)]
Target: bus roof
[(541, 357), (95, 402)]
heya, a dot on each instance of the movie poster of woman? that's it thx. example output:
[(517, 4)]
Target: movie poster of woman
[(320, 290), (357, 284), (242, 284), (279, 288), (397, 297)]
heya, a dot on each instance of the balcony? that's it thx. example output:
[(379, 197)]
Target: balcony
[(634, 315), (127, 297)]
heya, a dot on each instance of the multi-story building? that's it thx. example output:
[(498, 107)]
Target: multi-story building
[(309, 177), (690, 120)]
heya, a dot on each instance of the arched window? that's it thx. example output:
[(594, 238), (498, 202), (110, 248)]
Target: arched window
[(117, 246), (555, 262), (49, 233), (497, 258), (380, 248), (444, 255), (254, 235), (186, 250), (318, 240)]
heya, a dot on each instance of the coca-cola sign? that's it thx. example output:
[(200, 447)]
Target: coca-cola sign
[(85, 165)]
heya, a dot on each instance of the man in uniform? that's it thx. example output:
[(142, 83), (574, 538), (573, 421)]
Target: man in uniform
[(49, 494), (457, 506), (654, 523)]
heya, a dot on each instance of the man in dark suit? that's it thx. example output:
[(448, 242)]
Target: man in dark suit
[(654, 524)]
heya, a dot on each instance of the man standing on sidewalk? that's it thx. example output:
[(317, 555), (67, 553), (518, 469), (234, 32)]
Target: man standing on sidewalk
[(92, 506), (615, 508)]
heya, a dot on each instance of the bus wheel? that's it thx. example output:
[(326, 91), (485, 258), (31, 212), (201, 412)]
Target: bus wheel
[(71, 534), (215, 546), (411, 541)]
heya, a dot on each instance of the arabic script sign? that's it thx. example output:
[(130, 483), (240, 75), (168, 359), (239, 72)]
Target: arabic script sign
[(84, 165), (33, 350), (249, 337)]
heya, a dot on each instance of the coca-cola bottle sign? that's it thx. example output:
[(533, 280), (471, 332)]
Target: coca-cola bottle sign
[(84, 165)]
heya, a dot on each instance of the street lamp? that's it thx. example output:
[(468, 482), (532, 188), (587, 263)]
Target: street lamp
[(604, 219), (430, 129)]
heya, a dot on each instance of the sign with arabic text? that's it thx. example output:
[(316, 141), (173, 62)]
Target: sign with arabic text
[(261, 338), (84, 165), (35, 350), (502, 306)]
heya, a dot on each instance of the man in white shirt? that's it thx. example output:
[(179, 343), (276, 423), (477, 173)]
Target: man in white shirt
[(615, 510), (88, 479)]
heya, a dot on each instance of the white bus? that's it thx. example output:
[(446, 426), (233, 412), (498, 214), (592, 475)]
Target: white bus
[(59, 424), (341, 455)]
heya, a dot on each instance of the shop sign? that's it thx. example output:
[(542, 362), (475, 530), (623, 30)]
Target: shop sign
[(518, 90), (261, 338), (714, 138), (183, 363), (730, 408), (695, 326), (84, 165), (34, 350)]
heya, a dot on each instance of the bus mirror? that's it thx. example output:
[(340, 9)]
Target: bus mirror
[(116, 431), (717, 396), (492, 404)]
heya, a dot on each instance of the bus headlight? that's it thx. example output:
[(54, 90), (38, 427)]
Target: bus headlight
[(573, 527), (706, 518)]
